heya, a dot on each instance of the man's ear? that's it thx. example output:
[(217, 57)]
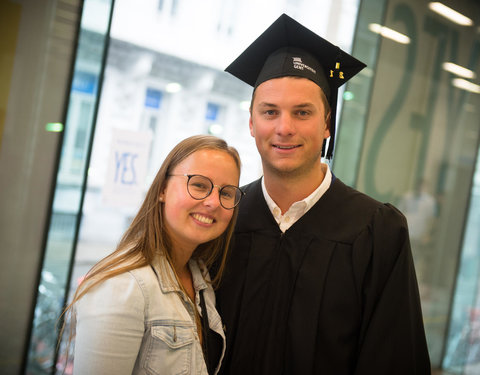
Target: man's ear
[(326, 132), (250, 125)]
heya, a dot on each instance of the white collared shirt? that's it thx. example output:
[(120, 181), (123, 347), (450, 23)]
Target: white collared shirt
[(297, 209)]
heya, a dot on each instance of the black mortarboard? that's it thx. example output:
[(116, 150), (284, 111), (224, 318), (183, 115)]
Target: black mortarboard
[(288, 48)]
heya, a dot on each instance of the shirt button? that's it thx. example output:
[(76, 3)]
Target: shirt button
[(287, 219), (276, 211)]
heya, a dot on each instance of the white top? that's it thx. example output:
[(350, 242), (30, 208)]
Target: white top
[(140, 322), (297, 209)]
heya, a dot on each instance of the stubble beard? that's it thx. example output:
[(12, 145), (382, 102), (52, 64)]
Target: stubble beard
[(292, 172)]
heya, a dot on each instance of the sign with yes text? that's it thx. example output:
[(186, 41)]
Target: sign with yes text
[(127, 168)]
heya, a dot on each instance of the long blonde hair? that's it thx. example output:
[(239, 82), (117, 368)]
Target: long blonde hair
[(146, 236)]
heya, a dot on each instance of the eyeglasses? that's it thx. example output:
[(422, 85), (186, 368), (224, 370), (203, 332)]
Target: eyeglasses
[(199, 187)]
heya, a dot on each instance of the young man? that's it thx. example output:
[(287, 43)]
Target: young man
[(320, 279)]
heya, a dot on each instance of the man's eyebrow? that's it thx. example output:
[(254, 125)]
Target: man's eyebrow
[(303, 105), (297, 106), (266, 104)]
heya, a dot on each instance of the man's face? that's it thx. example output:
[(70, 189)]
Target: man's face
[(289, 125)]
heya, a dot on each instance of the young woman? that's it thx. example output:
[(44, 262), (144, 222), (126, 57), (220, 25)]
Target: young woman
[(149, 307)]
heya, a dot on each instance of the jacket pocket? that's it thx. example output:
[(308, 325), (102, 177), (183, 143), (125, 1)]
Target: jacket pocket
[(170, 349)]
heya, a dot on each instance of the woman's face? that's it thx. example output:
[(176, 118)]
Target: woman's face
[(190, 222)]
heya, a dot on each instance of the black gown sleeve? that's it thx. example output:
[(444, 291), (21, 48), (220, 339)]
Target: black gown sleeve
[(392, 337)]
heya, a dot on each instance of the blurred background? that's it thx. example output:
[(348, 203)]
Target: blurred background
[(95, 93)]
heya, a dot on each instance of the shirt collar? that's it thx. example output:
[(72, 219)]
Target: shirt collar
[(299, 208)]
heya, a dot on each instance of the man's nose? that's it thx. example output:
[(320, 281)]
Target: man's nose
[(285, 125)]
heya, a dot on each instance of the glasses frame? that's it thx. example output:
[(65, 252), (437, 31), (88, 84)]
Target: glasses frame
[(220, 188)]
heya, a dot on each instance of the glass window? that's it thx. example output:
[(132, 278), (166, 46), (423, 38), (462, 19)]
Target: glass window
[(408, 134), (69, 191), (463, 345), (162, 89), (163, 80), (413, 141)]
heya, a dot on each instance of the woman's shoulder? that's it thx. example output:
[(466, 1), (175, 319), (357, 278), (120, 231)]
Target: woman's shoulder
[(145, 275), (126, 288)]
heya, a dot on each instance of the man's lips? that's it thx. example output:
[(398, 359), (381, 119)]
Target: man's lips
[(285, 147)]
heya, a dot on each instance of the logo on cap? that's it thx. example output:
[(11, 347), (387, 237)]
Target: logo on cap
[(298, 64)]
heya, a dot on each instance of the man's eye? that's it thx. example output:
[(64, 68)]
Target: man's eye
[(270, 112)]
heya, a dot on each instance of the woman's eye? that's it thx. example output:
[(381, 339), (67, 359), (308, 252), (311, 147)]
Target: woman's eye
[(199, 186), (227, 194)]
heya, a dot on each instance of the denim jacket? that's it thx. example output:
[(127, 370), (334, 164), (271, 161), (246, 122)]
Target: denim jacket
[(140, 322)]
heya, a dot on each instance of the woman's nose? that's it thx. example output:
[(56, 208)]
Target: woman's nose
[(213, 200)]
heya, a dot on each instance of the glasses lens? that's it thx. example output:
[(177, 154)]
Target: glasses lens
[(199, 187), (230, 196)]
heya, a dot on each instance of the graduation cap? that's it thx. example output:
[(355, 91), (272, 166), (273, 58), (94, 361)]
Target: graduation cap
[(287, 48)]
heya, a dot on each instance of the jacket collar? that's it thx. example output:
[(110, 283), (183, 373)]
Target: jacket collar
[(166, 276)]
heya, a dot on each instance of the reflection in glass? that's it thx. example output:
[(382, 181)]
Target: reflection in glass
[(414, 142), (67, 199), (463, 345)]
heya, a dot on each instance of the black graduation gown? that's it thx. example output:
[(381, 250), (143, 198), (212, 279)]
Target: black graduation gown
[(335, 294)]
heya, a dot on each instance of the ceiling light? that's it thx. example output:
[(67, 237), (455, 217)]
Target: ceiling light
[(450, 14), (348, 95), (173, 87), (386, 32), (215, 129), (55, 127), (458, 70), (466, 85)]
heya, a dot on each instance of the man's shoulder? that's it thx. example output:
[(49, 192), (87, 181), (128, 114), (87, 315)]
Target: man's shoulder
[(354, 198), (253, 195), (254, 214), (252, 186), (347, 196), (351, 211)]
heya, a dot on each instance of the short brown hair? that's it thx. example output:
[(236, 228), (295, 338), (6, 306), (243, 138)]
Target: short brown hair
[(326, 104)]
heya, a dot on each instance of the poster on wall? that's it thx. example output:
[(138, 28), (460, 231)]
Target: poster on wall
[(127, 168)]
